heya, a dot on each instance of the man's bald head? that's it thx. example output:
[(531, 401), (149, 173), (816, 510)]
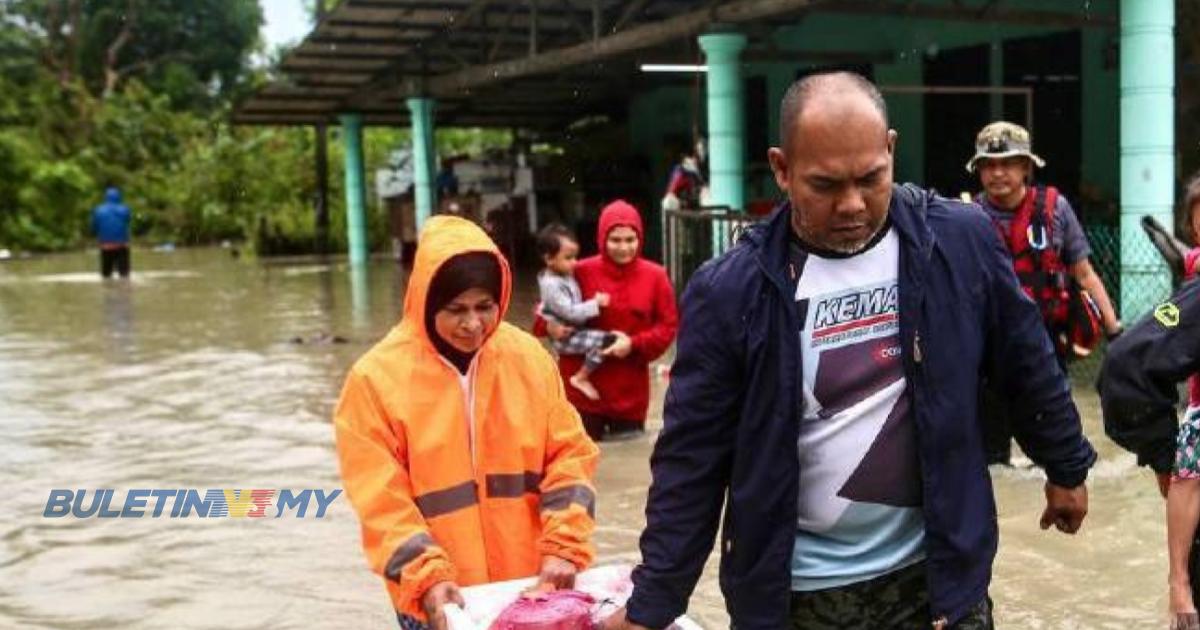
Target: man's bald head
[(819, 87), (835, 162)]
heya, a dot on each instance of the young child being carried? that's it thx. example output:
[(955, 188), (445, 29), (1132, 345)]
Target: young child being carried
[(563, 303)]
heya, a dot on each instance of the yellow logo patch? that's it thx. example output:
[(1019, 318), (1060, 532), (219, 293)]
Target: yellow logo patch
[(1167, 314)]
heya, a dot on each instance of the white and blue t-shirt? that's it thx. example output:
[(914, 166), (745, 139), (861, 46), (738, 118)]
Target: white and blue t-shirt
[(860, 482)]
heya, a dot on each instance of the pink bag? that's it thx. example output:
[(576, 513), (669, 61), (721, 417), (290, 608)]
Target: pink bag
[(556, 610)]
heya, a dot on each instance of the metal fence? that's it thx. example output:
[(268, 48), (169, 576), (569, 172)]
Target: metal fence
[(1105, 241), (1106, 260), (691, 237)]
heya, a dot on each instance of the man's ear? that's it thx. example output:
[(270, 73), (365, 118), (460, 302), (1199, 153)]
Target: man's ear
[(892, 134), (779, 167)]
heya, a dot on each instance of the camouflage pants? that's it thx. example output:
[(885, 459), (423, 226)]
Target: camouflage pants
[(896, 601)]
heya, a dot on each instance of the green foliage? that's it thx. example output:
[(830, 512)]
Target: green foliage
[(162, 132), (32, 191), (194, 51)]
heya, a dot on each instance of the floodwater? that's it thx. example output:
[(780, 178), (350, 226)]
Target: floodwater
[(185, 377)]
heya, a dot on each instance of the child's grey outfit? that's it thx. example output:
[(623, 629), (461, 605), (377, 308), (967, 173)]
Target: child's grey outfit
[(562, 302)]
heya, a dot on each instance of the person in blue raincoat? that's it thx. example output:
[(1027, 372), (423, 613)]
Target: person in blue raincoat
[(110, 225)]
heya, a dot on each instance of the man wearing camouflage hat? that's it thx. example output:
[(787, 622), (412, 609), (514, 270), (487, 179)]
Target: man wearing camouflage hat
[(1048, 247)]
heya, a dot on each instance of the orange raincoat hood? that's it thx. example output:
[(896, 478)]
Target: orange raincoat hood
[(443, 238)]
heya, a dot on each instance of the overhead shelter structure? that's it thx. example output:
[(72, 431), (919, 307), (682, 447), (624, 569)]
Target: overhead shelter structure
[(947, 67)]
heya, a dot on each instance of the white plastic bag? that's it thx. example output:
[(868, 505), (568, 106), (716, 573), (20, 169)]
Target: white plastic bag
[(609, 585)]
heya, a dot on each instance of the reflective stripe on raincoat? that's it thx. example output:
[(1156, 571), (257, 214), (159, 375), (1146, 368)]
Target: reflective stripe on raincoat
[(444, 494)]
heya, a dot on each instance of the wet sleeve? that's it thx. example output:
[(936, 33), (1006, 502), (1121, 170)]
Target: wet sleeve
[(568, 495), (692, 459), (1139, 379), (1021, 358), (654, 341), (1075, 243), (372, 456)]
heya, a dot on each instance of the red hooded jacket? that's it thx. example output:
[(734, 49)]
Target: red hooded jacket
[(643, 307)]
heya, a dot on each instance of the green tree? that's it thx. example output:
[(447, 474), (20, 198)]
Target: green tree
[(195, 51), (137, 94)]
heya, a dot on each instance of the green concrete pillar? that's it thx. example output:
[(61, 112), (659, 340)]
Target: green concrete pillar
[(360, 297), (424, 157), (726, 126), (1147, 147), (356, 220)]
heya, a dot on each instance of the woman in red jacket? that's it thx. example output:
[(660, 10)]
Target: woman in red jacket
[(641, 314)]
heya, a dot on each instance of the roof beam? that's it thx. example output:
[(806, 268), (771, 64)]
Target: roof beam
[(431, 27), (993, 14), (497, 39), (637, 38), (381, 55), (533, 27), (596, 18), (339, 78), (457, 8), (386, 75), (292, 98), (630, 11), (406, 5), (330, 40), (364, 74), (278, 90), (317, 65), (584, 35)]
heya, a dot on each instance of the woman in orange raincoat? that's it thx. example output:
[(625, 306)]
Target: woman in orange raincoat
[(458, 448)]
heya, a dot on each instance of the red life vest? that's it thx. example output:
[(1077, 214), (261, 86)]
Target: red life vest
[(1039, 266)]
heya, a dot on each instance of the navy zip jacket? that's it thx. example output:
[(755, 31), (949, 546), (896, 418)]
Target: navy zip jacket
[(1142, 368), (733, 409)]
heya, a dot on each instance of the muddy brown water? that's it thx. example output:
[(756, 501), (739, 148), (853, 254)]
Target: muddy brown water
[(185, 377)]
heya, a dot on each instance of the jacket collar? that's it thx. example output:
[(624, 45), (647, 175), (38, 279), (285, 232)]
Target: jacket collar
[(907, 211)]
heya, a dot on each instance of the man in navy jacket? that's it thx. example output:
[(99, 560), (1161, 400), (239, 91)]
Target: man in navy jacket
[(824, 393)]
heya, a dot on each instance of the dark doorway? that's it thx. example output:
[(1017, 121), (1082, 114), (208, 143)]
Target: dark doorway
[(1050, 64), (756, 114), (952, 120)]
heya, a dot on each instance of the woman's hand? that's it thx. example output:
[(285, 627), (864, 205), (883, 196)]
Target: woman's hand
[(556, 574), (557, 331), (435, 599), (619, 348)]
